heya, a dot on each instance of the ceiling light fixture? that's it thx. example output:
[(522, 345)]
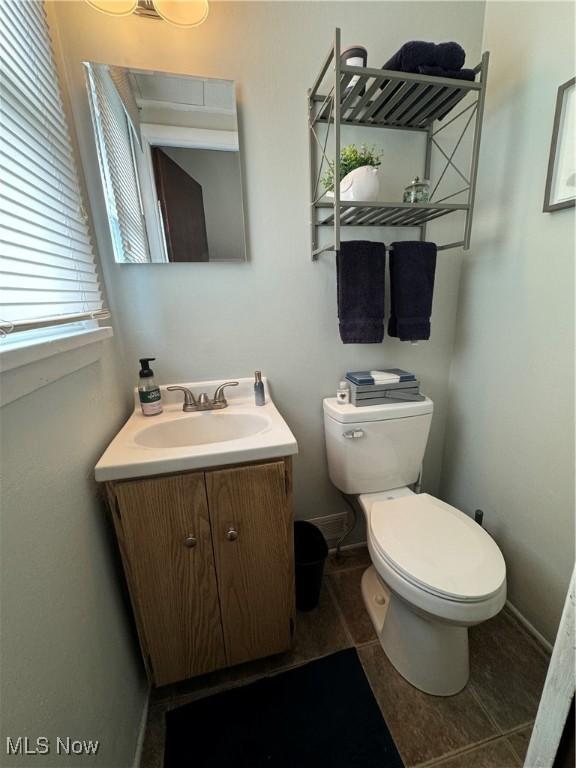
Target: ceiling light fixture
[(114, 7), (182, 13)]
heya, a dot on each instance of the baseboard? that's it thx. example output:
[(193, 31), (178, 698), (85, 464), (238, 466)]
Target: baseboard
[(530, 628), (142, 732)]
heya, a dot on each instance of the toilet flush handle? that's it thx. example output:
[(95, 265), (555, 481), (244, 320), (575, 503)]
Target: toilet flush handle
[(353, 434)]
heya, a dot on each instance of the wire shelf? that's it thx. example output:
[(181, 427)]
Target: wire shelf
[(366, 97), (386, 99), (376, 214)]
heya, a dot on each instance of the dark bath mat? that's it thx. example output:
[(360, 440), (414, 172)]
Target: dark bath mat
[(321, 715)]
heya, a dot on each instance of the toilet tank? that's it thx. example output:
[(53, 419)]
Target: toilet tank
[(375, 447)]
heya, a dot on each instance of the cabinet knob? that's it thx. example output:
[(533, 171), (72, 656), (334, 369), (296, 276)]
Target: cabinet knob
[(231, 534), (190, 541)]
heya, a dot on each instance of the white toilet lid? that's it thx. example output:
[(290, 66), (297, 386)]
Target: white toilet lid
[(437, 547)]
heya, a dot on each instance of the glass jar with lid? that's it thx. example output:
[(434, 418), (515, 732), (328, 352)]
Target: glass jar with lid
[(417, 192)]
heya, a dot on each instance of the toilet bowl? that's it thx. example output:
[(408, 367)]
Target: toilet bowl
[(435, 571)]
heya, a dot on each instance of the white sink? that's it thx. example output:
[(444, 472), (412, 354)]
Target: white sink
[(174, 441), (201, 429)]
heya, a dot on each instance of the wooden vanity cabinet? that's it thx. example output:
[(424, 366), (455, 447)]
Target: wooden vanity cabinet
[(208, 557)]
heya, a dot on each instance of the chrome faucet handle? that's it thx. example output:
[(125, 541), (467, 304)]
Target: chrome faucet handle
[(219, 394), (190, 403)]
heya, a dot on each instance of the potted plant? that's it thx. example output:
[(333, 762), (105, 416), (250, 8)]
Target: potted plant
[(358, 173)]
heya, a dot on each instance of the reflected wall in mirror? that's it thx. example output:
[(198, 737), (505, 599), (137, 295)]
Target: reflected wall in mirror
[(169, 158)]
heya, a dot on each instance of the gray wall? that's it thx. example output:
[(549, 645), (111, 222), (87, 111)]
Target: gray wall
[(278, 311), (70, 664), (510, 437)]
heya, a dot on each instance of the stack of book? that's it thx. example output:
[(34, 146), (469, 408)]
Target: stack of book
[(391, 385)]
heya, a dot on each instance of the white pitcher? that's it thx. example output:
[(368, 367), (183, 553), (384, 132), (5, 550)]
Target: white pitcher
[(361, 184)]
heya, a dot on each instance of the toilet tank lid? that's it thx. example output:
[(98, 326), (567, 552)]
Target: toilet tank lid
[(351, 414)]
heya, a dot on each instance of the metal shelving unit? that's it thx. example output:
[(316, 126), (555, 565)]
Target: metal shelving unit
[(392, 100)]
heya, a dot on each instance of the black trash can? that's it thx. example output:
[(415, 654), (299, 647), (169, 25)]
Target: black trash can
[(310, 552)]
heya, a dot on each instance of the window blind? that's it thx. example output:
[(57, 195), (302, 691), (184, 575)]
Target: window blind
[(118, 167), (121, 81), (47, 269)]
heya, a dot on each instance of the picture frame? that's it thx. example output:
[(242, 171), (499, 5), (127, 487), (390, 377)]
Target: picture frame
[(560, 191)]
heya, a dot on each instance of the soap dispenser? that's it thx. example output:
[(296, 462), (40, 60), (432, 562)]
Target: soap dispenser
[(148, 390)]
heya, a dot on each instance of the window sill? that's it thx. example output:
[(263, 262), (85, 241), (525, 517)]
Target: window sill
[(34, 364)]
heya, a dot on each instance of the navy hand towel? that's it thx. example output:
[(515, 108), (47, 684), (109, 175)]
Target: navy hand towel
[(412, 267), (360, 270)]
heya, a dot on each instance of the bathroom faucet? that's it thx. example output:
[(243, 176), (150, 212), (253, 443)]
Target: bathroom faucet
[(204, 402), (190, 402), (219, 400)]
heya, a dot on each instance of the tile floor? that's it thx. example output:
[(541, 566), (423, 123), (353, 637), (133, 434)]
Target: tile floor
[(487, 725)]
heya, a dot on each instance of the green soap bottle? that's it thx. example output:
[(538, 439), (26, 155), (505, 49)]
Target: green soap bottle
[(148, 390)]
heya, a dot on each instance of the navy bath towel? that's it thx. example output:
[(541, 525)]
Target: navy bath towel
[(360, 271), (412, 267)]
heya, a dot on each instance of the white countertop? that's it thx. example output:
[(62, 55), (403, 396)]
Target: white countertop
[(133, 452)]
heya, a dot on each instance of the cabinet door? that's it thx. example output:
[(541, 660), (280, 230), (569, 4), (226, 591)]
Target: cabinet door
[(164, 532), (251, 516)]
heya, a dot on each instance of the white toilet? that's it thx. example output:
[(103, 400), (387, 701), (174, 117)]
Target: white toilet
[(435, 571)]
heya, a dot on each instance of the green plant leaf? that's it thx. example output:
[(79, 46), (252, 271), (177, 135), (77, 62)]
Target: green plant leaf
[(352, 157)]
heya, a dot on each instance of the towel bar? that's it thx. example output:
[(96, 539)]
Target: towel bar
[(446, 247), (389, 248)]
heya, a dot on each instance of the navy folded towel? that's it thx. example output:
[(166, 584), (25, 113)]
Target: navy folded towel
[(412, 267), (411, 55), (450, 56), (361, 269), (455, 74), (418, 53)]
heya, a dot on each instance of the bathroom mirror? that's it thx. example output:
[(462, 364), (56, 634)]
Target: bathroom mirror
[(169, 157)]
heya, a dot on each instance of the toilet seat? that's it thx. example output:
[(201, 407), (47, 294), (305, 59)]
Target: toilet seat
[(437, 548)]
